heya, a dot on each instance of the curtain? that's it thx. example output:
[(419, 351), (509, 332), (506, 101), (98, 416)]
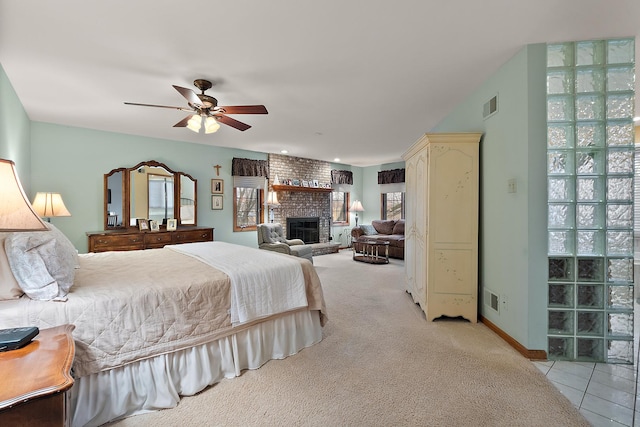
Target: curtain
[(249, 167), (341, 177), (392, 176)]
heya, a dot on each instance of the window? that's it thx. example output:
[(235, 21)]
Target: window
[(340, 207), (247, 208), (392, 205)]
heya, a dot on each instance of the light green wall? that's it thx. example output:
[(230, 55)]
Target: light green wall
[(73, 161), (513, 225), (340, 233), (371, 191), (14, 132)]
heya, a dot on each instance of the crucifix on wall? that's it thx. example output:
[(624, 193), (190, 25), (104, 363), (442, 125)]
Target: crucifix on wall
[(217, 168)]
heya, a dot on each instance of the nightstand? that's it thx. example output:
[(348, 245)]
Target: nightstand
[(35, 380)]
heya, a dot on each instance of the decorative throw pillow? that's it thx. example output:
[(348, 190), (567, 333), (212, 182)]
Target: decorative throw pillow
[(383, 226), (9, 287), (399, 227), (368, 229), (43, 263)]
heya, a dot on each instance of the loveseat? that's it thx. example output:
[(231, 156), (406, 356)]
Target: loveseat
[(385, 230)]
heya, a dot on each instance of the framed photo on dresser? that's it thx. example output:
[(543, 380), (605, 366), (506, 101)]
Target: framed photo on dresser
[(143, 225)]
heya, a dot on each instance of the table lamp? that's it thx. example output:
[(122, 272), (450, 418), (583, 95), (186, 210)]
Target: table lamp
[(16, 213), (272, 202), (356, 207), (49, 204)]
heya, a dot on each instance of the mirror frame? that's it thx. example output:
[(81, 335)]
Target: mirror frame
[(126, 195)]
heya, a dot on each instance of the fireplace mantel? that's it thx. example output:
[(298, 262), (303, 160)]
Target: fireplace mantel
[(301, 189)]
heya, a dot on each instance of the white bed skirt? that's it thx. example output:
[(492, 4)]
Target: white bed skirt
[(157, 383)]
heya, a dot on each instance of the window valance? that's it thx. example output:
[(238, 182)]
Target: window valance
[(249, 167), (392, 176), (341, 177)]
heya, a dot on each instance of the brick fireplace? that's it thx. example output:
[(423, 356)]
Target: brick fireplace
[(302, 202)]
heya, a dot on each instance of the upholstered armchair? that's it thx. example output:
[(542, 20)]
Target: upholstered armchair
[(271, 237)]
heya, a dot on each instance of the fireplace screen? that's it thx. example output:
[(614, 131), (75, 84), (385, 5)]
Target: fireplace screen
[(307, 229)]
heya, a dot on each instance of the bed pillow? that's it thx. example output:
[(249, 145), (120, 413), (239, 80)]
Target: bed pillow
[(9, 288), (368, 229), (43, 263)]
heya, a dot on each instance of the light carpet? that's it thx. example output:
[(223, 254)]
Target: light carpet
[(380, 363)]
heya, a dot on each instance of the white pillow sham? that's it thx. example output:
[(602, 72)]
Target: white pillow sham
[(9, 287), (43, 263)]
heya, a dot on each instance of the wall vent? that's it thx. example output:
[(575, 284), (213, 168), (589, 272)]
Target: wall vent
[(490, 107), (492, 300)]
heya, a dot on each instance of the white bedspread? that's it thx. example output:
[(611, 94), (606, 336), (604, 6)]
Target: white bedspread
[(263, 284)]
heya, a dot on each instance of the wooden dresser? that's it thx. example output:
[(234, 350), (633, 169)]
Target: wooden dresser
[(35, 380), (131, 240)]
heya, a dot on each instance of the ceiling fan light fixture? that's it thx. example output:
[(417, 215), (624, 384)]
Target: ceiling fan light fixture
[(211, 125), (194, 123)]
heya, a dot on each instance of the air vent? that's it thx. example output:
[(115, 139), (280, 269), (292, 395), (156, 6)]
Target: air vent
[(490, 107), (492, 300)]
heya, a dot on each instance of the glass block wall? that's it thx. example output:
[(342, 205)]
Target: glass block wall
[(590, 158)]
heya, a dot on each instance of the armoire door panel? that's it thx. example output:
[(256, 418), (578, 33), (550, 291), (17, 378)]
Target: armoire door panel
[(452, 271)]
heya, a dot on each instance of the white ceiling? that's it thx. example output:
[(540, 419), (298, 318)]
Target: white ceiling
[(357, 80)]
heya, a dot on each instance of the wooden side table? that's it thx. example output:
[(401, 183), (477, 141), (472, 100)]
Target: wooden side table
[(35, 379)]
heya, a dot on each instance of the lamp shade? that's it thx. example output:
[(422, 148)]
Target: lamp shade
[(49, 204), (16, 213), (211, 125), (356, 206), (194, 123), (272, 199)]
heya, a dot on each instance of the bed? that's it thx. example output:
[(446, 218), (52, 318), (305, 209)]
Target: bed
[(154, 325)]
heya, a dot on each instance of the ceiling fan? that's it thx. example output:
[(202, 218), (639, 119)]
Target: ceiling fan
[(203, 106)]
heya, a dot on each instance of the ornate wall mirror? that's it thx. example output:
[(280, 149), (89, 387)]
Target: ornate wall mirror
[(149, 190)]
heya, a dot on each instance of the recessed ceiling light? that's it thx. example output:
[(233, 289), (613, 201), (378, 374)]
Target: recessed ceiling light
[(284, 151)]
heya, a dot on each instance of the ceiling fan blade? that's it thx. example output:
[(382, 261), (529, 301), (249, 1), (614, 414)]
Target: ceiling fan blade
[(189, 95), (244, 109), (232, 122), (159, 106), (183, 123)]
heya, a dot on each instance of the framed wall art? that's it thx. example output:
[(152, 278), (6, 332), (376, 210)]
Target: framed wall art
[(217, 186), (216, 202)]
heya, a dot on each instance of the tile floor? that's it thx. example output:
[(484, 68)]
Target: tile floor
[(606, 394)]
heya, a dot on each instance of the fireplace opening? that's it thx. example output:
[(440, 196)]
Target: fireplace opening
[(307, 229)]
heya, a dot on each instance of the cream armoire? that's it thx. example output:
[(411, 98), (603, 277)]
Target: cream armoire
[(441, 224)]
